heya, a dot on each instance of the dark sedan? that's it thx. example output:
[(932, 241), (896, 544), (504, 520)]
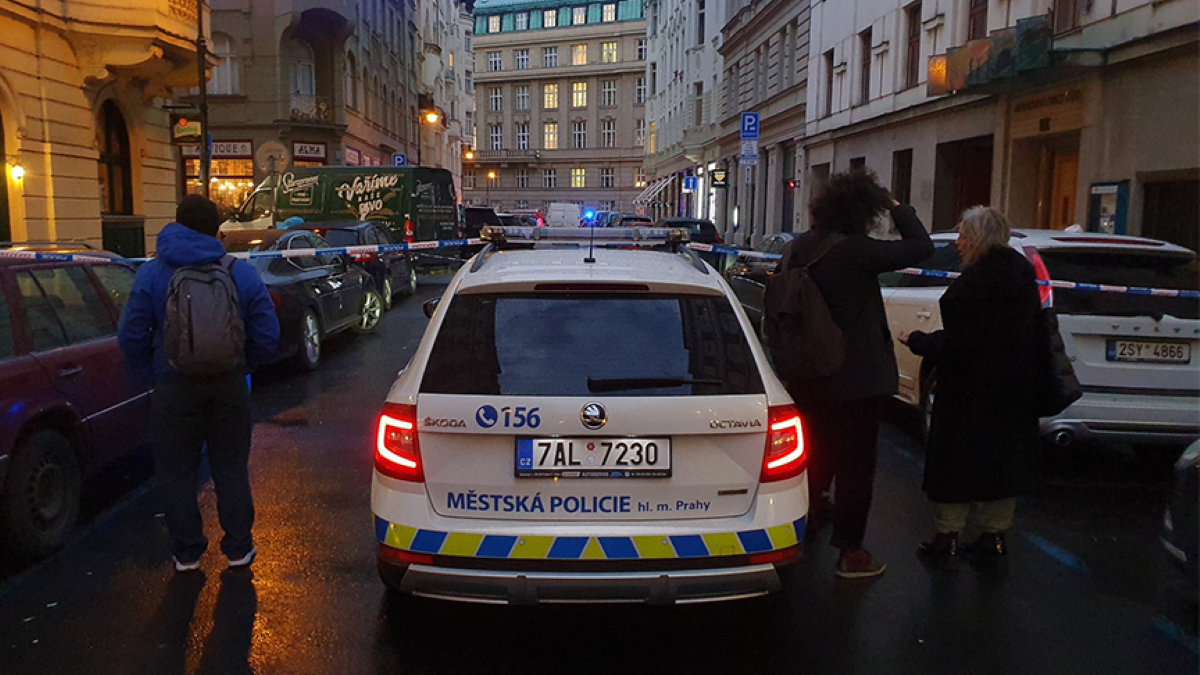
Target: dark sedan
[(315, 296), (393, 271), (748, 276)]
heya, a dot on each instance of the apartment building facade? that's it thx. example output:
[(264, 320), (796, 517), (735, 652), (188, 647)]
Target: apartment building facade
[(84, 139), (1059, 112), (685, 78), (560, 92)]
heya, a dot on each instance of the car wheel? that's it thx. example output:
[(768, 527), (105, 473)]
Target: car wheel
[(42, 495), (411, 288), (309, 354), (372, 312), (926, 402), (387, 292)]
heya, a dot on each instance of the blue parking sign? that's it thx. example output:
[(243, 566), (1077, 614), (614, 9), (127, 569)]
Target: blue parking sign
[(399, 159), (689, 183), (749, 126)]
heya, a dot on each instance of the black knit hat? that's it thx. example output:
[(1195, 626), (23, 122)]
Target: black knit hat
[(198, 213)]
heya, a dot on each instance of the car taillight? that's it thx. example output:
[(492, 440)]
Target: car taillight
[(397, 453), (409, 234), (784, 456), (362, 257), (1045, 292)]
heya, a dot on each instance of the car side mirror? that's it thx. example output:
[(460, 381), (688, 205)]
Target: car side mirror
[(430, 306)]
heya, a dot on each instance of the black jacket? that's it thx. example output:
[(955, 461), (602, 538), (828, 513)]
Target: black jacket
[(989, 359), (848, 277)]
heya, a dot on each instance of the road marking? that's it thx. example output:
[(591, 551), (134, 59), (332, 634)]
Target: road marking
[(1063, 556)]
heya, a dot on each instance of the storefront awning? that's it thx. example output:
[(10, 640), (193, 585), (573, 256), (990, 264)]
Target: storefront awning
[(652, 190)]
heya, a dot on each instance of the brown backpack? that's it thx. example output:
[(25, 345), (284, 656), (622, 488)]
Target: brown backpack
[(803, 339)]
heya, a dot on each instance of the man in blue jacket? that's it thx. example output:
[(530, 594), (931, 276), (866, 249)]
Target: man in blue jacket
[(191, 412)]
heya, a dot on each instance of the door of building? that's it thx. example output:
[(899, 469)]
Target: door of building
[(1172, 209), (1064, 177), (962, 179)]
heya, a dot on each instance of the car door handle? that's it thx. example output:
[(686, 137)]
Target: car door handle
[(923, 315), (70, 372)]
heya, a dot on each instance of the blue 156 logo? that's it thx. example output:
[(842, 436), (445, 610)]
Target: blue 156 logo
[(515, 418)]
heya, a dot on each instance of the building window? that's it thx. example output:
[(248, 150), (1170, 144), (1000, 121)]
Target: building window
[(864, 80), (653, 145), (495, 99), (578, 16), (912, 51), (550, 135), (858, 163), (607, 178), (608, 93), (495, 137), (469, 179), (524, 203), (697, 103), (699, 22), (522, 180), (521, 59), (578, 178), (351, 84), (493, 61), (522, 136), (579, 94), (641, 49), (549, 57), (579, 55), (902, 176), (639, 92), (608, 52), (549, 178), (469, 82), (608, 12), (303, 68), (579, 135), (549, 18), (521, 21), (1066, 15), (227, 75), (522, 97), (116, 182), (639, 133), (550, 97), (608, 133), (654, 78), (828, 83), (977, 20), (639, 181), (494, 23)]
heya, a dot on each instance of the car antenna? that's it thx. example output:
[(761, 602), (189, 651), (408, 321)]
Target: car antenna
[(591, 240)]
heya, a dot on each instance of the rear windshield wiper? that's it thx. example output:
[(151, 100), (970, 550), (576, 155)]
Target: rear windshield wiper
[(621, 384)]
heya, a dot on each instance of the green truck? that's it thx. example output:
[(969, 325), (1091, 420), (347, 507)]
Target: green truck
[(417, 203)]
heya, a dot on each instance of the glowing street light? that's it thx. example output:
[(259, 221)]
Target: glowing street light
[(432, 117)]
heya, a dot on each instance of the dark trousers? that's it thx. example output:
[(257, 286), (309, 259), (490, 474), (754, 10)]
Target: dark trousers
[(842, 440), (189, 414)]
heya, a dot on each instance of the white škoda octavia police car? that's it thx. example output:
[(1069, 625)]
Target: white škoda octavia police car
[(580, 426)]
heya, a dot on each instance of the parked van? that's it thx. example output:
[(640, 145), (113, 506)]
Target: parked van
[(416, 203), (561, 214)]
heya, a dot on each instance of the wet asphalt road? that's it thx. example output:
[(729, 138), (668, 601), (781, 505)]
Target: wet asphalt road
[(1085, 590)]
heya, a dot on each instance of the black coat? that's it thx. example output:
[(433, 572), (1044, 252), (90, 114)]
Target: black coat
[(848, 277), (989, 359)]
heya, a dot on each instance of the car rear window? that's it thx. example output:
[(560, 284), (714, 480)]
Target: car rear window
[(573, 344), (339, 238), (1119, 268)]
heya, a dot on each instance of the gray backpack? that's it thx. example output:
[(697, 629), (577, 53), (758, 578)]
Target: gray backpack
[(204, 334), (804, 341)]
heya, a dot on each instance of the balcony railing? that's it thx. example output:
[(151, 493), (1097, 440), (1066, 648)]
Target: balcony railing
[(311, 108), (507, 154)]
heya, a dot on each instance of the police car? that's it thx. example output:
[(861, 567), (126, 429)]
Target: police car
[(585, 424)]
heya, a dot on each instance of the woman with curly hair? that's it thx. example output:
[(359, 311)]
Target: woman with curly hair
[(841, 411)]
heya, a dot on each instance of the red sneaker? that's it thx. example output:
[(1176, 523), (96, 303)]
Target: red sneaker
[(857, 565)]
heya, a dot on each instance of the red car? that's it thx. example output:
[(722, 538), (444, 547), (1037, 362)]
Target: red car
[(67, 403)]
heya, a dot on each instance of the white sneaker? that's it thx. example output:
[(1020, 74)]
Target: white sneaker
[(244, 560), (185, 567)]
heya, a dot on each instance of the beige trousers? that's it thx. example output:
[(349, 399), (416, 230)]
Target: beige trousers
[(994, 516)]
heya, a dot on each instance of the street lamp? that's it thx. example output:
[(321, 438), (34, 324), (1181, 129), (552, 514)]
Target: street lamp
[(430, 117), (491, 176)]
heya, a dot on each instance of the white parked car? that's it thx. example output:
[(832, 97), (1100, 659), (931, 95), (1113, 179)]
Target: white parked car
[(588, 431), (1135, 355)]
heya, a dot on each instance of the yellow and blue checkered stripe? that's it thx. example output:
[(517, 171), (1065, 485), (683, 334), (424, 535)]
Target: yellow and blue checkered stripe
[(647, 547)]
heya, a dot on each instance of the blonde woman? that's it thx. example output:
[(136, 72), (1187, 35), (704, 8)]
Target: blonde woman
[(988, 359)]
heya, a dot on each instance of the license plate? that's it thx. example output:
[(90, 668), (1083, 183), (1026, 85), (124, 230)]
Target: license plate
[(594, 457), (1148, 352)]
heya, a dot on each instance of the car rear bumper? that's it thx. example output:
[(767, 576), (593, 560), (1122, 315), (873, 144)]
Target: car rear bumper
[(1127, 417), (533, 586)]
